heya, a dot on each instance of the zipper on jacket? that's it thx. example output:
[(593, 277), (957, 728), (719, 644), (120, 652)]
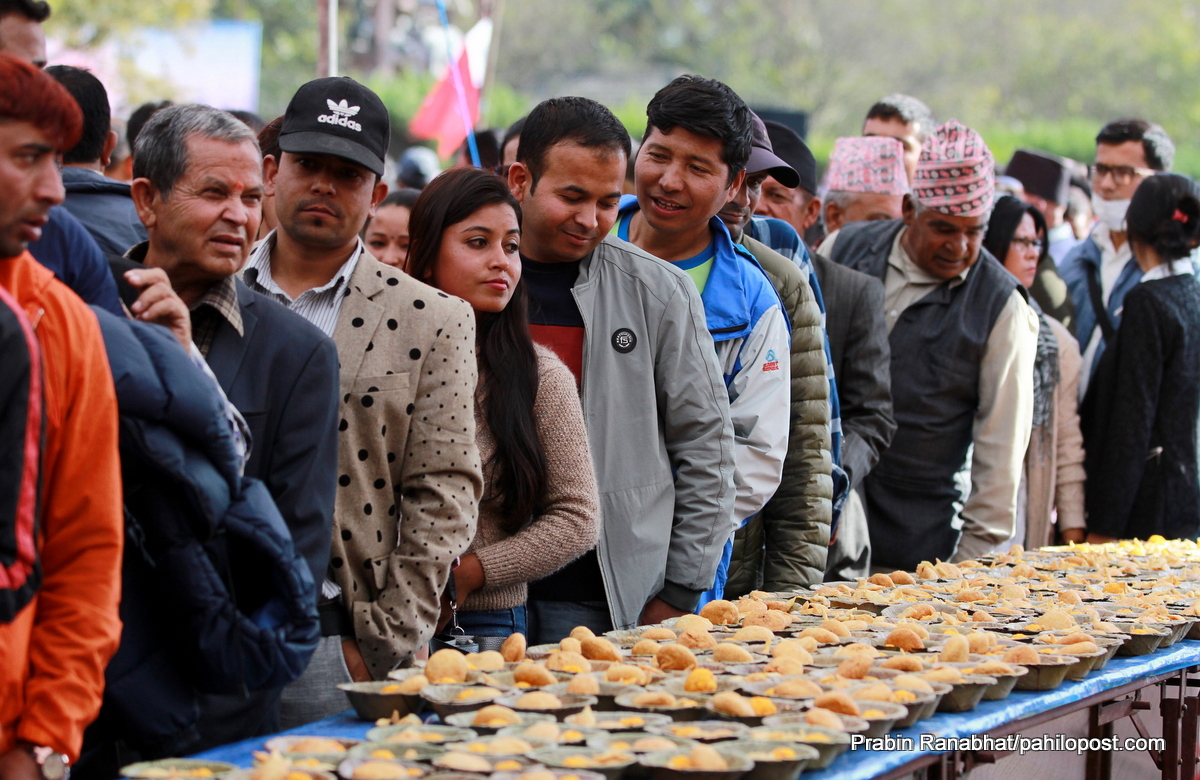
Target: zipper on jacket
[(583, 372)]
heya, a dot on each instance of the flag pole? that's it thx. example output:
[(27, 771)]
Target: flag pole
[(332, 25), (463, 110)]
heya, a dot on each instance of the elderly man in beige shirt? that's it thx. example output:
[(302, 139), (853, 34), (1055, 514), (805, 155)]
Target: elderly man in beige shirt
[(963, 345)]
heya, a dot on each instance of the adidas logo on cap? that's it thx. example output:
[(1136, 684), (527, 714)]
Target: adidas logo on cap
[(340, 115)]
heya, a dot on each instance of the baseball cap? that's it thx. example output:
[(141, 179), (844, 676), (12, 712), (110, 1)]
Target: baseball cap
[(788, 144), (763, 158), (338, 116)]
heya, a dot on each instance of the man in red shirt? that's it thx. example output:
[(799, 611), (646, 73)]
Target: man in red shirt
[(53, 653)]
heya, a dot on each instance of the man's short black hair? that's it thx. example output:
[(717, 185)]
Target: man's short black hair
[(140, 116), (707, 108), (1160, 152), (92, 98), (907, 109), (576, 119), (250, 119), (33, 10)]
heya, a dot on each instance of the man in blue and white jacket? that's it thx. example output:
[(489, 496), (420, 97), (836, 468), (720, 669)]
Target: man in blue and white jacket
[(691, 162)]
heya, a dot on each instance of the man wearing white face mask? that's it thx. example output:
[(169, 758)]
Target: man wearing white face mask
[(1100, 270)]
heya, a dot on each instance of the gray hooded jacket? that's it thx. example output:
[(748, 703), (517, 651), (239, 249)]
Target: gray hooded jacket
[(657, 417)]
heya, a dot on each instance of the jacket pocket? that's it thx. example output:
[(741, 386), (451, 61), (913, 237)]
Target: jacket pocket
[(377, 577)]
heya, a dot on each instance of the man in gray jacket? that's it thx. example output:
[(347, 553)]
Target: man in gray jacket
[(633, 331)]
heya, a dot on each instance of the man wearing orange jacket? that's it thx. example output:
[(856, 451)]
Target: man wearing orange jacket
[(53, 652)]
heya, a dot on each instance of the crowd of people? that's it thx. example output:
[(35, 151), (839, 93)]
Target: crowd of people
[(313, 424)]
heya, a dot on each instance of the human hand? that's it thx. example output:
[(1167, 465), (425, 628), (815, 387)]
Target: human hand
[(17, 764), (1100, 539), (657, 610), (354, 661), (468, 577), (1075, 535), (158, 303)]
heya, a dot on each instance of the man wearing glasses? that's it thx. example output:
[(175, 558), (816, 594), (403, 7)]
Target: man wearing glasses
[(1100, 270)]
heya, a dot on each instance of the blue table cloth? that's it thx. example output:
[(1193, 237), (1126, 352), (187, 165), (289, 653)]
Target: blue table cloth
[(862, 764)]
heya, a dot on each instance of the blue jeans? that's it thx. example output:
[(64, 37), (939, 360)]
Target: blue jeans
[(494, 624), (550, 621)]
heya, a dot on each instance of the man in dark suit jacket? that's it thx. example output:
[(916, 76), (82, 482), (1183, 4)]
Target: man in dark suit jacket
[(277, 369), (858, 342)]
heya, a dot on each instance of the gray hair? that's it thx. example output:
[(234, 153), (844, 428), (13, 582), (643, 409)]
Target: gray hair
[(908, 110), (160, 151), (840, 198)]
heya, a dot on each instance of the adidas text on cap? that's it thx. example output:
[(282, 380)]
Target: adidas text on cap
[(337, 116)]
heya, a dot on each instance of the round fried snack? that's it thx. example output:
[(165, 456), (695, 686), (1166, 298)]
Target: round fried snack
[(835, 627), (720, 612), (707, 758), (1057, 620), (819, 716), (692, 621), (1020, 654), (533, 674), (855, 649), (599, 649), (823, 636), (659, 633), (538, 700), (994, 667), (644, 647), (570, 644), (513, 649), (771, 618), (970, 595), (380, 770), (919, 611), (729, 653), (904, 638), (1078, 648), (568, 662), (447, 666), (510, 746), (753, 634), (785, 664), (653, 699), (925, 571), (625, 673), (794, 648), (463, 762), (495, 715), (674, 657), (980, 642), (545, 730), (902, 578), (746, 606), (854, 668), (584, 684), (733, 703), (412, 684), (487, 661), (651, 744), (1012, 592), (700, 681), (697, 640), (903, 663), (881, 579), (796, 688), (946, 674), (1069, 597), (876, 692), (956, 649), (839, 702), (1070, 639), (581, 633), (912, 683)]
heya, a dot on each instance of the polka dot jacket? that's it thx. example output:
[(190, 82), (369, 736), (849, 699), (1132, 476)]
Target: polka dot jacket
[(409, 477)]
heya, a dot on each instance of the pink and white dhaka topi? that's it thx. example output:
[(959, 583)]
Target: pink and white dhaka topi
[(956, 172), (872, 164)]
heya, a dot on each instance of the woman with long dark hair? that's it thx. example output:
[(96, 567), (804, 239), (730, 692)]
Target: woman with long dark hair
[(1053, 479), (540, 510), (1142, 408)]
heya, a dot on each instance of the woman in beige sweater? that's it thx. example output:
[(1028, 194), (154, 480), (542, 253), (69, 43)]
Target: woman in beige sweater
[(1053, 483), (540, 510)]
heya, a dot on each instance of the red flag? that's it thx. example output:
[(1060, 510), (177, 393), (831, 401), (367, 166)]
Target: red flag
[(440, 116)]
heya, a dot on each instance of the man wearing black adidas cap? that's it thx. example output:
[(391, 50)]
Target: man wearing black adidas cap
[(409, 475)]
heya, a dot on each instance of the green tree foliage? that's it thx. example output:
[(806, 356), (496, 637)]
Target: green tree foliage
[(289, 50), (88, 22)]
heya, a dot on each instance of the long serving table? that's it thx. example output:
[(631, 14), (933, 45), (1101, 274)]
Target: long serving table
[(1110, 694)]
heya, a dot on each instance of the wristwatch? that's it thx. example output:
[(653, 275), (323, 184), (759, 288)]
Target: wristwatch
[(51, 764)]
